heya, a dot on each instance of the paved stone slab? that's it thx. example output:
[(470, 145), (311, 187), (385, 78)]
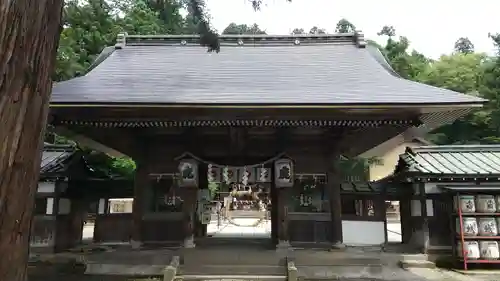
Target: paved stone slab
[(447, 275), (131, 257), (356, 273), (416, 263), (125, 270)]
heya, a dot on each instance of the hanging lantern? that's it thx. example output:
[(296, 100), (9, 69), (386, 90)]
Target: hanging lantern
[(263, 174), (188, 172), (283, 173)]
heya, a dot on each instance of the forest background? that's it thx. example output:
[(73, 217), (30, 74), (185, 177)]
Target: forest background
[(92, 25)]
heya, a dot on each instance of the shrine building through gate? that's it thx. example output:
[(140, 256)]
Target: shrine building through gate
[(274, 112)]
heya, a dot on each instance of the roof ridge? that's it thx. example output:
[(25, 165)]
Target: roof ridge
[(355, 38), (453, 148)]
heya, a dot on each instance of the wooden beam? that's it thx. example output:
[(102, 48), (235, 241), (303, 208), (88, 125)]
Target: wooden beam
[(86, 141), (360, 140), (158, 113), (121, 142)]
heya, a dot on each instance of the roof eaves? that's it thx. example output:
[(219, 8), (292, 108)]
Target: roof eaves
[(58, 147), (57, 164), (106, 52), (470, 176)]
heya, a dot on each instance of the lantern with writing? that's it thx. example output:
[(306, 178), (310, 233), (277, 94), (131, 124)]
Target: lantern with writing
[(188, 172), (283, 173)]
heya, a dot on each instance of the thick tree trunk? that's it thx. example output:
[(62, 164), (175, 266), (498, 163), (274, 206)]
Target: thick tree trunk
[(29, 35)]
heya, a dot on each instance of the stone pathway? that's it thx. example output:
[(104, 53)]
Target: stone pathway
[(447, 275), (239, 228)]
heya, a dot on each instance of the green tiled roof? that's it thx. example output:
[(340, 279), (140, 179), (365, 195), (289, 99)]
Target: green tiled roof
[(466, 160)]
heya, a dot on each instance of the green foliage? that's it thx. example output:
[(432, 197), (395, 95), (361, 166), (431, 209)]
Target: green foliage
[(91, 25), (110, 166), (345, 26), (464, 45), (463, 71), (234, 28), (458, 72)]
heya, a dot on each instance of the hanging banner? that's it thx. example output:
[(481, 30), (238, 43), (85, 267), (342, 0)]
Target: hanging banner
[(214, 173), (263, 174), (229, 175), (246, 175)]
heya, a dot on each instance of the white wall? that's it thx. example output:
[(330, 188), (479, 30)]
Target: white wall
[(360, 233), (389, 160), (46, 187)]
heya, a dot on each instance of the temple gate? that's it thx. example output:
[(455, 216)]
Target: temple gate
[(290, 104)]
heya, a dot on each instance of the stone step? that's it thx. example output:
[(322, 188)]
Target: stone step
[(233, 269), (146, 270), (230, 256), (414, 257), (416, 264), (226, 277)]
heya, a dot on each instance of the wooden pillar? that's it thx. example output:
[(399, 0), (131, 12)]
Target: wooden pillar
[(424, 218), (200, 230), (141, 182), (406, 219), (333, 174), (189, 207), (282, 210), (274, 210)]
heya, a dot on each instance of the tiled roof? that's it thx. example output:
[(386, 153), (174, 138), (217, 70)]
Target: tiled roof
[(319, 70), (54, 157), (466, 160)]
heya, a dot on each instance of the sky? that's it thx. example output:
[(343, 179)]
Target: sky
[(432, 26)]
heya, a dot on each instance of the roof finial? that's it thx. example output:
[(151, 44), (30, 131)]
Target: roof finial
[(360, 39), (121, 40)]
